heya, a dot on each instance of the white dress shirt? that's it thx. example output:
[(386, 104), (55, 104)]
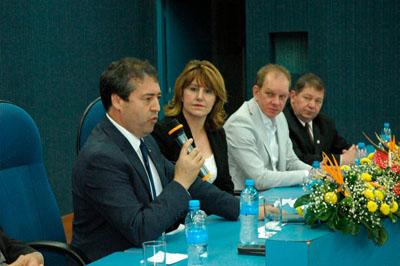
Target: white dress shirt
[(270, 129), (135, 143), (310, 124), (212, 168)]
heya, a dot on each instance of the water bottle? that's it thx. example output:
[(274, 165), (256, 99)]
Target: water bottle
[(249, 214), (196, 235), (313, 177), (362, 151), (387, 132)]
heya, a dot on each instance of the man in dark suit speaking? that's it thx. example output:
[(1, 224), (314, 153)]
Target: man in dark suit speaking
[(310, 131), (124, 191)]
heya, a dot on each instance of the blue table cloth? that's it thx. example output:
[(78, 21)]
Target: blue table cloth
[(295, 244)]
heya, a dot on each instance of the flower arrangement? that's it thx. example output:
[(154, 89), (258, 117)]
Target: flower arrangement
[(351, 196)]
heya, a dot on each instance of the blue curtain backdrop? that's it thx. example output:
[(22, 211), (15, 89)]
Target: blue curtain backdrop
[(51, 56), (353, 45)]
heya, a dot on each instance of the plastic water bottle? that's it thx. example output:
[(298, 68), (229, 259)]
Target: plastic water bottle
[(362, 151), (387, 132), (249, 213), (313, 176), (196, 235)]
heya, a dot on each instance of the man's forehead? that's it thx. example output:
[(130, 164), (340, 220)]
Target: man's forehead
[(145, 85), (275, 75), (140, 81), (313, 91), (278, 80)]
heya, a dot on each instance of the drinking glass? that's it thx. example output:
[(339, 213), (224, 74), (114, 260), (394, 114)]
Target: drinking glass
[(154, 253), (272, 214)]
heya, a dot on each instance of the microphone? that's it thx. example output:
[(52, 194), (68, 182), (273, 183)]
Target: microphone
[(175, 130)]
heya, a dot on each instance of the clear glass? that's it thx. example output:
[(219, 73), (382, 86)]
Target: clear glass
[(154, 253), (272, 214)]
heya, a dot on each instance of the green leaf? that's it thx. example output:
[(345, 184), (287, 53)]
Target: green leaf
[(382, 236), (324, 216), (347, 201), (303, 200), (347, 226), (355, 229), (310, 218), (392, 218), (377, 234)]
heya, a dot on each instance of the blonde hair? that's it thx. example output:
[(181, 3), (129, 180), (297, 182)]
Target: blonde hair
[(270, 68), (205, 73)]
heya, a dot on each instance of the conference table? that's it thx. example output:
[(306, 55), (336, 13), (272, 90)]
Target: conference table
[(296, 244)]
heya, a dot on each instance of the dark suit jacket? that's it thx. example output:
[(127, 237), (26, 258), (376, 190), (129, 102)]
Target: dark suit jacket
[(217, 140), (326, 138), (11, 249), (111, 195)]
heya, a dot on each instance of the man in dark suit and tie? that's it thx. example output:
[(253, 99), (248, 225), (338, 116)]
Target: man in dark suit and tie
[(312, 132), (124, 191)]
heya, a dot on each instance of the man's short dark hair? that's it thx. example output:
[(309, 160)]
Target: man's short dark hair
[(115, 79), (309, 80)]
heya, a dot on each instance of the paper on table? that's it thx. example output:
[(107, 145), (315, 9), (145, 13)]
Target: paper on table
[(175, 257), (171, 257), (289, 202), (181, 227), (267, 234)]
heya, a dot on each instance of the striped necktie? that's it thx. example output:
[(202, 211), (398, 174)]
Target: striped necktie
[(145, 154), (309, 133)]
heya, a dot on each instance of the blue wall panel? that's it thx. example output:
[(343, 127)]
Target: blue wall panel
[(353, 45), (51, 56)]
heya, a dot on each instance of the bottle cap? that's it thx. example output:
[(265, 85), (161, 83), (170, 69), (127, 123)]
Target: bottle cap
[(386, 125), (315, 165), (249, 182), (194, 204), (361, 145)]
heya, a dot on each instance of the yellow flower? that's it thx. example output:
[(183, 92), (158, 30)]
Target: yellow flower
[(385, 208), (372, 206), (394, 207), (345, 168), (365, 177), (365, 160), (330, 197), (300, 211), (371, 155), (369, 194), (369, 185), (379, 194)]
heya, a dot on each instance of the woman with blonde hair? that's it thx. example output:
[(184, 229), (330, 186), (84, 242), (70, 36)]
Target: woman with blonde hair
[(198, 104)]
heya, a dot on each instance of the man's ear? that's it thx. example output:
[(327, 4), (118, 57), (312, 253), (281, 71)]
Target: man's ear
[(292, 93), (116, 101), (256, 91)]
